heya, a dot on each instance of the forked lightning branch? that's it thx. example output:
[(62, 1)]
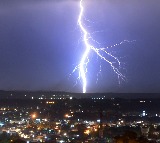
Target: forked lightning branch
[(102, 53)]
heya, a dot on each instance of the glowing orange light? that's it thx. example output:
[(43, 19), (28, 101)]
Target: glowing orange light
[(34, 116)]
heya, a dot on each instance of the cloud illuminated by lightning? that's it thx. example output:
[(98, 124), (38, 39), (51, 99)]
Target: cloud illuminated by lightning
[(100, 52)]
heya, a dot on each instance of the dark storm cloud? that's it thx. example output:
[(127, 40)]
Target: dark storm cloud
[(30, 43), (38, 43)]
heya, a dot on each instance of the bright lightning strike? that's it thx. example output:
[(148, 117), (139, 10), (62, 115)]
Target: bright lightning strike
[(101, 52)]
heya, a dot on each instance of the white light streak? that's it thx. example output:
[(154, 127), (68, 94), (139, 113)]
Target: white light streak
[(101, 52)]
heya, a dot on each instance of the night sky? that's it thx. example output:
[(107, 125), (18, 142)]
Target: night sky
[(40, 44)]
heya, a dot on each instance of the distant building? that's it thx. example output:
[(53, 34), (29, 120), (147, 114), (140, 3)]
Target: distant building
[(145, 130)]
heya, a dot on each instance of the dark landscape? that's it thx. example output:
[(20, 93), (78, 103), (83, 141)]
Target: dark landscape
[(56, 117)]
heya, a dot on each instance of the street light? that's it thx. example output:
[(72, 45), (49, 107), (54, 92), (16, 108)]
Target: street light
[(33, 116)]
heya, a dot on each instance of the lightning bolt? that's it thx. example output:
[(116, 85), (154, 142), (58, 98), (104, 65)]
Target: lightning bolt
[(100, 52)]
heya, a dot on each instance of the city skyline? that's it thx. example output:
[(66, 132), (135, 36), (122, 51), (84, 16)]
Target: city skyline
[(40, 45)]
